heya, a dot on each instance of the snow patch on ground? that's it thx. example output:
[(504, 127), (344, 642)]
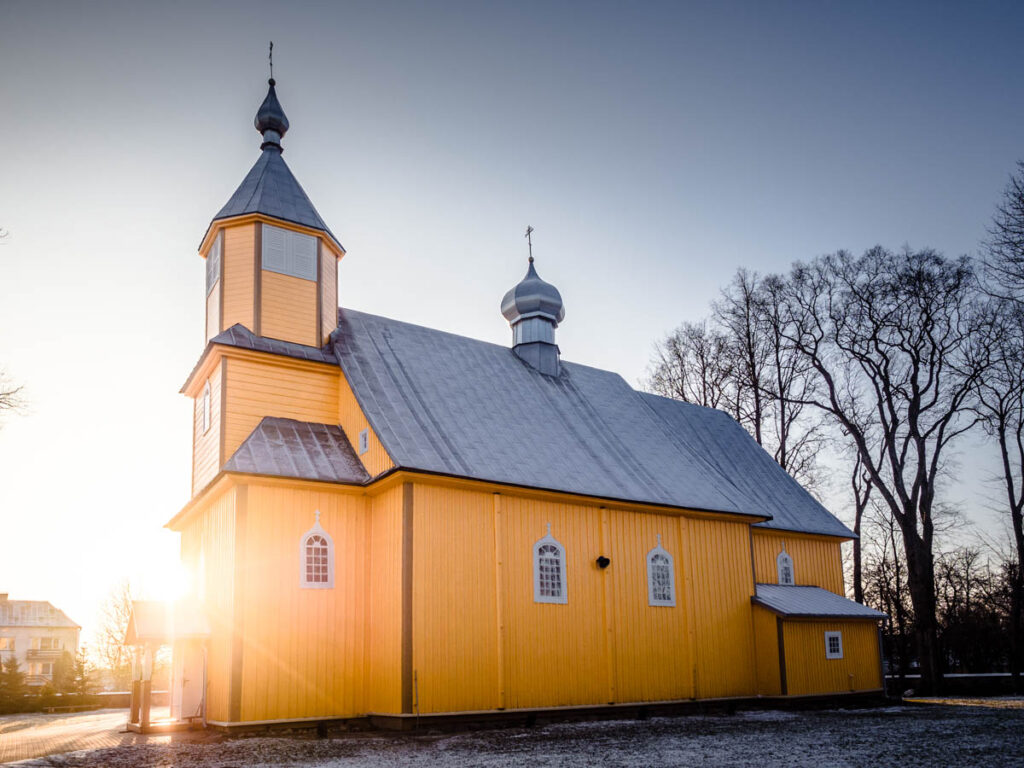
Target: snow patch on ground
[(907, 736)]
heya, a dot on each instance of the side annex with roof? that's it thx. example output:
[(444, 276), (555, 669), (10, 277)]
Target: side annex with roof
[(388, 520)]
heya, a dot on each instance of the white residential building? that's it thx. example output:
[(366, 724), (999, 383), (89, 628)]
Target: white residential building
[(35, 633)]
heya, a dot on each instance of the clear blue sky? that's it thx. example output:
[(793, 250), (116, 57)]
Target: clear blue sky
[(655, 147)]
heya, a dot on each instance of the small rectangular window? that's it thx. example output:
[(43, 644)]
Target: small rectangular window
[(6, 643), (364, 441), (205, 410), (289, 253), (213, 263), (833, 645)]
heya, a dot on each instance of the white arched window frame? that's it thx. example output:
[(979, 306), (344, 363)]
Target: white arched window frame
[(316, 558), (661, 577), (205, 409), (549, 583), (784, 566)]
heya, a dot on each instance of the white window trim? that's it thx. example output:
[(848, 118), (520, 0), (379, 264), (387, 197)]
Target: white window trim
[(289, 253), (651, 600), (316, 530), (537, 596), (206, 409), (839, 637), (213, 258), (785, 559)]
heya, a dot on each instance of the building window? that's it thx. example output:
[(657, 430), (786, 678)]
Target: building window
[(661, 579), (784, 564), (49, 644), (549, 584), (205, 410), (46, 668), (6, 643), (289, 253), (316, 558), (364, 441), (833, 645), (213, 263)]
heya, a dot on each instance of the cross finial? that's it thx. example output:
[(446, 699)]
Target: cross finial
[(659, 539), (549, 529), (529, 240), (271, 59), (317, 513)]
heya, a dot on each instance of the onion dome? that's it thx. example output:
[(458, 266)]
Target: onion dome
[(532, 297), (271, 120)]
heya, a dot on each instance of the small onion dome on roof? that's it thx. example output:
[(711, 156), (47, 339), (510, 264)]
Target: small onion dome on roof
[(271, 120), (532, 297)]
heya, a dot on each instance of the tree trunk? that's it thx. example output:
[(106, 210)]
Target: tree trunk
[(858, 572), (921, 570), (1017, 608)]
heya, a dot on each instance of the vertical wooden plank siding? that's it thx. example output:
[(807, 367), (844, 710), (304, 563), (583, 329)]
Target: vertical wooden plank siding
[(261, 389), (211, 531), (556, 653), (239, 257), (455, 637), (809, 672), (328, 292), (206, 458), (303, 648), (352, 420), (722, 589), (213, 312), (817, 560), (766, 644), (288, 308), (384, 604), (652, 653)]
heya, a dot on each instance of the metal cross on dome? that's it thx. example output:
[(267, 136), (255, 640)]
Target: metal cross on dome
[(529, 240), (271, 59)]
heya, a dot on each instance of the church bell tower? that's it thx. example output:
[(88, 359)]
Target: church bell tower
[(271, 261)]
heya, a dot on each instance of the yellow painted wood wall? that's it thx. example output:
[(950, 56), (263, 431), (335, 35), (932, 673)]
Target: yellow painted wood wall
[(239, 276), (212, 532), (328, 292), (206, 460), (302, 654), (288, 309), (817, 560), (808, 671), (722, 585), (254, 389), (350, 416), (384, 603), (766, 644)]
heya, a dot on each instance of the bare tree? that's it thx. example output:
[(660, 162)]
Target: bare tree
[(737, 313), (897, 343), (1004, 248), (693, 364), (860, 482), (109, 649), (1000, 403), (11, 396)]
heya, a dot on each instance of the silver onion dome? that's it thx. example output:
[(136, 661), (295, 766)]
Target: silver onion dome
[(532, 297), (271, 120)]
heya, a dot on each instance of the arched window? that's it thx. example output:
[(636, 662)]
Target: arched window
[(549, 584), (661, 577), (316, 558), (784, 564), (204, 406)]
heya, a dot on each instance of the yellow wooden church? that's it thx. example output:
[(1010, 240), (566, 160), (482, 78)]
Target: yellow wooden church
[(390, 521)]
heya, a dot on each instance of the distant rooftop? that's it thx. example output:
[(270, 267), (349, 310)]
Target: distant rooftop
[(32, 613)]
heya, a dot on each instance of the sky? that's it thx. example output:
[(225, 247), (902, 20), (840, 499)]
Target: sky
[(654, 147)]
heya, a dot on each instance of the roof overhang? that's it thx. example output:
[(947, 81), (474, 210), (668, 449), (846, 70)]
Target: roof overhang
[(154, 622), (249, 218), (802, 602)]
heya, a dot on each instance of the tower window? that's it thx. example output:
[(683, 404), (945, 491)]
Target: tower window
[(364, 441), (549, 583), (316, 557), (833, 645), (289, 253), (205, 415), (784, 565), (213, 263), (661, 580)]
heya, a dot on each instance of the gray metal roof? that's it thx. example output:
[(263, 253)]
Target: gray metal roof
[(449, 404), (32, 613), (810, 602), (289, 448), (270, 188)]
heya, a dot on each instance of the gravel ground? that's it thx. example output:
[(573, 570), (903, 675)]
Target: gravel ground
[(905, 736)]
